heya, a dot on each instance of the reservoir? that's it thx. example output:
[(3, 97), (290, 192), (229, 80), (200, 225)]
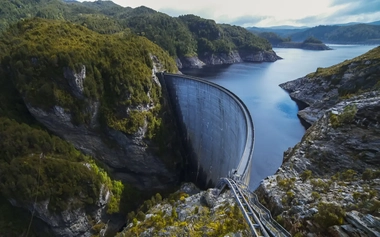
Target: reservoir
[(274, 114)]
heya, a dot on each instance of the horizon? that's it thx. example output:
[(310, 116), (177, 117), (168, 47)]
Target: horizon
[(256, 13)]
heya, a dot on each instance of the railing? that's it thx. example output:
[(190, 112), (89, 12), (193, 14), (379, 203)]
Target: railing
[(258, 217)]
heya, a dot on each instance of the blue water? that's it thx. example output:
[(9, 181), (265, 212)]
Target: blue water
[(277, 126)]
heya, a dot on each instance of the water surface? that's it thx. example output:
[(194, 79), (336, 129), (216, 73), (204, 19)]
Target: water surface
[(274, 114)]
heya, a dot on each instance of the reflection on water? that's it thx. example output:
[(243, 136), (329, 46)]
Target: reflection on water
[(277, 126)]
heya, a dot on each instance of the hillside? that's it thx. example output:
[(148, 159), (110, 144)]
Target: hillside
[(96, 92), (329, 182), (350, 34), (310, 43), (184, 37)]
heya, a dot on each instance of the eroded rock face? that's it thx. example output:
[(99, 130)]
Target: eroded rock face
[(73, 221), (223, 58), (322, 92), (337, 158), (193, 212), (329, 182), (131, 158)]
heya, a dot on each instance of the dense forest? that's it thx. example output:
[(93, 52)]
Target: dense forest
[(339, 34), (360, 33), (187, 35)]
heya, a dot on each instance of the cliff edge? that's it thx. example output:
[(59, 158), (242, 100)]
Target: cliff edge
[(329, 182)]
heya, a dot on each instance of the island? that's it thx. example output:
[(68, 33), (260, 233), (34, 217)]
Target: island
[(310, 43)]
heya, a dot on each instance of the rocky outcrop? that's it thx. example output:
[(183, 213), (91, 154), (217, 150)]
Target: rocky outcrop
[(330, 165), (131, 158), (326, 87), (234, 56), (329, 182), (261, 56), (73, 221), (190, 212)]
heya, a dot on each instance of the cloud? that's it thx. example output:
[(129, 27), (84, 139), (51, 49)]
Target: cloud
[(268, 12), (248, 20)]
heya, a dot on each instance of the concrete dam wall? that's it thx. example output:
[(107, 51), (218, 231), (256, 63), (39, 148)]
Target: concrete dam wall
[(216, 127)]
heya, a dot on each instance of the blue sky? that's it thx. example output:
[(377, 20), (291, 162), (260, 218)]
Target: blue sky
[(268, 12)]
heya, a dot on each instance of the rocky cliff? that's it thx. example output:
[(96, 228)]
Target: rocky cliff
[(329, 182), (188, 212), (235, 56), (98, 93)]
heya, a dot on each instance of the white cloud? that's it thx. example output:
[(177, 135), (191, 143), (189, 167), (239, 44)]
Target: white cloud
[(255, 12)]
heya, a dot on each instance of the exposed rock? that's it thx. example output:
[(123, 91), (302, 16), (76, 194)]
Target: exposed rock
[(222, 58), (188, 215), (261, 56), (337, 163), (76, 80), (321, 90), (189, 62), (73, 221), (131, 158)]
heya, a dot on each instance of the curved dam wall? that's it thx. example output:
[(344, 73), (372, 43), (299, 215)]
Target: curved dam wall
[(215, 126)]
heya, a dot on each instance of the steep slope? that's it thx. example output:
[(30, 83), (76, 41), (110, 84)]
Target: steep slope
[(179, 36), (327, 86), (188, 212), (98, 92), (92, 90), (329, 182)]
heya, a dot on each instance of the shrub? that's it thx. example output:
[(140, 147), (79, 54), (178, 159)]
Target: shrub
[(348, 175), (328, 215), (306, 175), (345, 117)]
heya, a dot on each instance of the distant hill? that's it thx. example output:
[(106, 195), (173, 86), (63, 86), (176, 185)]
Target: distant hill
[(282, 32), (351, 34), (310, 43)]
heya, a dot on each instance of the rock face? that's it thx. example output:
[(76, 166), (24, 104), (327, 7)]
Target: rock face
[(73, 221), (329, 182), (223, 58), (190, 212), (131, 158)]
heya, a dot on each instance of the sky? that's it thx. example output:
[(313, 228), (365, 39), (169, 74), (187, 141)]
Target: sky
[(265, 13)]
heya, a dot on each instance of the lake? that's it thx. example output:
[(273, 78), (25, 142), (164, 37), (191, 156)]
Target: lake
[(274, 114)]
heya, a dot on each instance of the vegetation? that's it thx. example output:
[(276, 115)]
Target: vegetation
[(345, 117), (312, 40), (274, 38), (120, 77), (37, 166), (183, 36), (366, 64), (328, 215), (359, 33), (157, 216), (306, 175)]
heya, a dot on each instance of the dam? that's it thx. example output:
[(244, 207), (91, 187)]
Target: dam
[(216, 127), (218, 139)]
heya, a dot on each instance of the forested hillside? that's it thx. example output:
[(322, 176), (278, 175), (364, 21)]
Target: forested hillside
[(360, 33), (181, 36), (52, 64)]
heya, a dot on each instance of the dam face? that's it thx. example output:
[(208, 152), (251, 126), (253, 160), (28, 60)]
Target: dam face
[(216, 128)]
